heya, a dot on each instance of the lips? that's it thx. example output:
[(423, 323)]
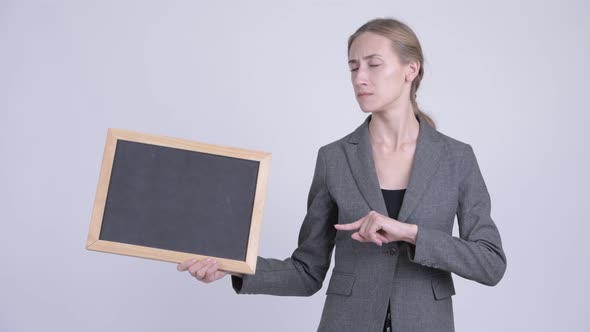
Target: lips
[(363, 94)]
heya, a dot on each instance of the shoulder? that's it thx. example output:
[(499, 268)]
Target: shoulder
[(335, 148), (460, 153), (353, 137), (456, 148), (337, 144)]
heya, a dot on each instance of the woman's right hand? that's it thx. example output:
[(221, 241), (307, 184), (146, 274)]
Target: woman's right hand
[(204, 270)]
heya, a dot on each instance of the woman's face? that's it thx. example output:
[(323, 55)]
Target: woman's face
[(378, 77)]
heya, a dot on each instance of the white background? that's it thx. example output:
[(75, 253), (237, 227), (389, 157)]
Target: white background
[(510, 78)]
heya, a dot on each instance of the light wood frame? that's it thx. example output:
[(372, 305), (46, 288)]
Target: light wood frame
[(113, 135)]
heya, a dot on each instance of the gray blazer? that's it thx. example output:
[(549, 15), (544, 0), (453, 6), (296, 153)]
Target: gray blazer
[(414, 279)]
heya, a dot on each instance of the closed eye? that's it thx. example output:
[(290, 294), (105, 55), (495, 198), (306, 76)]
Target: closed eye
[(355, 69)]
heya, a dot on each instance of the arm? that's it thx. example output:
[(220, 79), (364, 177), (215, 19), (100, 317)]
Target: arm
[(303, 273), (478, 253)]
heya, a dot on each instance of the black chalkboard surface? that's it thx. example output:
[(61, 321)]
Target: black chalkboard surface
[(170, 199)]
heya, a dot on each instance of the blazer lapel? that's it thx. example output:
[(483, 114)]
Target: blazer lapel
[(429, 149), (360, 158)]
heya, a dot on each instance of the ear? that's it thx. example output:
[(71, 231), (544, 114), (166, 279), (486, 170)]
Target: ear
[(412, 69)]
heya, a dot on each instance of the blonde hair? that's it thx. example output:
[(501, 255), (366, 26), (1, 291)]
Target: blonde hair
[(405, 44)]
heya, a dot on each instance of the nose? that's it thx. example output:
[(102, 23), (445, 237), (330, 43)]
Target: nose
[(359, 77)]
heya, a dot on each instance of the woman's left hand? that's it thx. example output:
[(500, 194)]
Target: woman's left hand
[(377, 228)]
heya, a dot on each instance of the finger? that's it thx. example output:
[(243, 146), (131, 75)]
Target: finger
[(220, 274), (211, 272), (198, 266), (371, 236), (185, 265), (351, 226), (375, 228), (369, 231), (382, 238), (198, 270), (366, 226), (200, 274), (373, 231), (357, 236), (376, 240), (360, 238)]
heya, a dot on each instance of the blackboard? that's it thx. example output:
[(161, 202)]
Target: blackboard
[(171, 199)]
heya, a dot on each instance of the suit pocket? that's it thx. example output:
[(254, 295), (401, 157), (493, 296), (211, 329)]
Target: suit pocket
[(442, 285), (341, 283)]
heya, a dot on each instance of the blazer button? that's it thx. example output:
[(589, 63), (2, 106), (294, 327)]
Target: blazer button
[(392, 251)]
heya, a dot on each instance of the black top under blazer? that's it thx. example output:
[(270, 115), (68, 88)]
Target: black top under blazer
[(415, 280)]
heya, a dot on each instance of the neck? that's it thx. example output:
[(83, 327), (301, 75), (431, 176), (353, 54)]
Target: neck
[(394, 129)]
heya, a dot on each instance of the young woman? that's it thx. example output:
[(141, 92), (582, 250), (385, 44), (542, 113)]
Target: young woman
[(385, 196)]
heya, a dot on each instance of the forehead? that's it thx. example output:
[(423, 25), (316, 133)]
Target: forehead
[(370, 43)]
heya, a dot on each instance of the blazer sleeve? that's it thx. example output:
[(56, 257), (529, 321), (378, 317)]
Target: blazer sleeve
[(477, 255), (303, 273)]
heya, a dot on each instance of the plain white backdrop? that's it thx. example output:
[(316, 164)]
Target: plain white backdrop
[(510, 78)]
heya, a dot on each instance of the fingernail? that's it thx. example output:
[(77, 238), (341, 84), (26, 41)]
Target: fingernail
[(193, 260), (208, 259)]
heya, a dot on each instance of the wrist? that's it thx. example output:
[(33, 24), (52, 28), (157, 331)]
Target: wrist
[(411, 233)]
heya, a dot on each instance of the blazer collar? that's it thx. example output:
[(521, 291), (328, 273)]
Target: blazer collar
[(429, 149)]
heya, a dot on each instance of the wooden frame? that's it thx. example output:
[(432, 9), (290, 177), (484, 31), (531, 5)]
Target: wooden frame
[(113, 136)]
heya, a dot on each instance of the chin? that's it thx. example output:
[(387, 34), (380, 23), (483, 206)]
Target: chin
[(370, 109)]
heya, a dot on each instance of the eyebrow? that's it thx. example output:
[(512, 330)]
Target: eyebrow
[(364, 58)]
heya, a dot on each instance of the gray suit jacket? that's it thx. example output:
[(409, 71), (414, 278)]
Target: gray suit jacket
[(415, 279)]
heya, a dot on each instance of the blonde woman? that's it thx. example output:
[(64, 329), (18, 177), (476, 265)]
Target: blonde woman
[(385, 196)]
